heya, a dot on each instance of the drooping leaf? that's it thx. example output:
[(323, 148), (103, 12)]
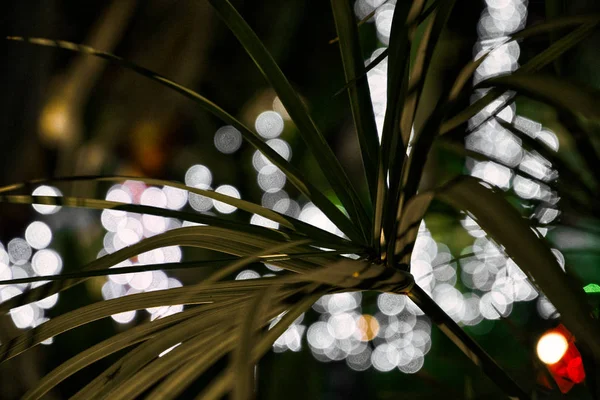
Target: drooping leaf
[(274, 259), (503, 223), (242, 365), (554, 91), (568, 174), (539, 61), (292, 173), (313, 138), (103, 309), (284, 220), (222, 384), (218, 239), (102, 350)]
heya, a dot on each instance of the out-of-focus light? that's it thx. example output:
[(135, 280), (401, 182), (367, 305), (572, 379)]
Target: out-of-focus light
[(176, 198), (383, 22), (367, 327), (592, 288), (46, 191), (22, 316), (262, 221), (280, 109), (271, 179), (557, 349), (38, 235), (269, 124), (312, 215), (141, 280), (19, 251), (199, 202), (247, 274), (552, 347), (46, 262), (391, 304), (154, 197), (230, 191), (228, 139), (124, 317), (56, 123), (198, 175)]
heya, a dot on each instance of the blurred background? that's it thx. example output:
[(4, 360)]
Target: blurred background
[(66, 114)]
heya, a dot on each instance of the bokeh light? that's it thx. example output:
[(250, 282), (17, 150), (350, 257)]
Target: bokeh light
[(230, 191), (269, 124), (552, 347), (46, 191), (228, 139)]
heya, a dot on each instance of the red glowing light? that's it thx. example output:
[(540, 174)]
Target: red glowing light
[(568, 371)]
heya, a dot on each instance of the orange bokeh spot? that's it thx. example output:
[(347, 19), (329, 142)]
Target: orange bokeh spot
[(367, 327)]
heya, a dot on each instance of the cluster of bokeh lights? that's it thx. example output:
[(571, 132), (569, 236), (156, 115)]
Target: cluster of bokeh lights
[(30, 256), (510, 167), (125, 229)]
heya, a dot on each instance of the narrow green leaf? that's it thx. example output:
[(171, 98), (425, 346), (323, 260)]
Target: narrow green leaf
[(315, 141), (567, 173), (360, 23), (274, 259), (554, 91), (104, 349), (293, 174), (235, 266), (554, 25), (241, 364), (103, 309), (209, 346), (282, 219), (539, 61), (197, 352), (399, 55), (415, 165), (359, 94), (359, 79), (184, 295), (212, 238), (466, 344), (422, 65), (383, 55), (397, 86), (568, 193), (359, 275), (419, 73), (222, 384), (409, 224), (503, 223), (219, 315), (204, 219)]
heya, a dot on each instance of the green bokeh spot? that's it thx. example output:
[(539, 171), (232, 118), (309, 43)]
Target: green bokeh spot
[(592, 288)]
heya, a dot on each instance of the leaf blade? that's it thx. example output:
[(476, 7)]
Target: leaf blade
[(293, 174), (315, 141), (359, 94), (497, 217)]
